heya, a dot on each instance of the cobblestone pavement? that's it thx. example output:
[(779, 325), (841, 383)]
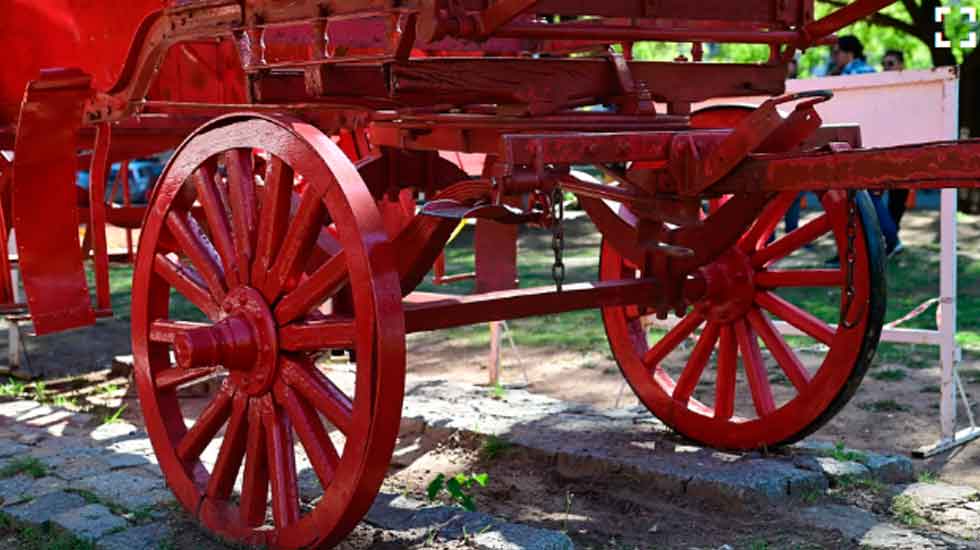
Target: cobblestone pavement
[(101, 483), (100, 480)]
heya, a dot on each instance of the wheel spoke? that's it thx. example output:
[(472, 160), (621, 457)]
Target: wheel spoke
[(282, 466), (794, 240), (319, 449), (774, 211), (232, 451), (164, 330), (800, 278), (255, 481), (196, 245), (172, 378), (320, 392), (314, 290), (689, 378), (795, 316), (244, 206), (187, 282), (297, 245), (755, 369), (672, 339), (273, 217), (334, 332), (725, 379), (208, 423), (777, 345), (217, 220)]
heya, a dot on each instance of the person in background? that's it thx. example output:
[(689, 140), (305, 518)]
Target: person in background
[(894, 60), (847, 57)]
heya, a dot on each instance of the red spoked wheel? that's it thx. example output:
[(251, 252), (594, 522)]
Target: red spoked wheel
[(281, 277), (765, 389)]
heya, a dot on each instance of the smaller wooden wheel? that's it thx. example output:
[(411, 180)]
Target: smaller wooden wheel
[(286, 454), (743, 384)]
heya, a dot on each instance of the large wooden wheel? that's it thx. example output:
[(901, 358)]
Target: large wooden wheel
[(746, 289), (280, 276)]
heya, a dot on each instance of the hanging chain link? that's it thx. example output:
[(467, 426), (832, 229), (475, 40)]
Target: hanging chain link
[(558, 236), (851, 258)]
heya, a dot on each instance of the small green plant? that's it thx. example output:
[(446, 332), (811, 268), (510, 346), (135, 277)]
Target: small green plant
[(839, 452), (65, 402), (115, 416), (494, 446), (759, 545), (853, 482), (811, 496), (904, 509), (457, 488), (889, 375), (885, 405), (927, 476), (498, 391), (24, 465), (108, 389), (12, 388), (41, 392)]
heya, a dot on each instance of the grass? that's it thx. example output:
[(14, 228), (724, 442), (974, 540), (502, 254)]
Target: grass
[(115, 416), (44, 537), (904, 509), (843, 454), (494, 447), (24, 465), (927, 476), (851, 483)]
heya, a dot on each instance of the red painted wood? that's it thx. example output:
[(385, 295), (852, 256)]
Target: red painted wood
[(755, 369)]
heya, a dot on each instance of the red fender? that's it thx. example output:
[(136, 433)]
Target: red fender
[(45, 204)]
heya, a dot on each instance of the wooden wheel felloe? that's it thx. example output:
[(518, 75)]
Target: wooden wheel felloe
[(743, 385), (280, 276)]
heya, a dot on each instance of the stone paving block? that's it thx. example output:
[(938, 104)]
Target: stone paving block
[(46, 507), (117, 431), (399, 513), (755, 481), (865, 530), (89, 522), (12, 448), (511, 536), (831, 467), (143, 536), (129, 488), (117, 461), (13, 409), (22, 486), (939, 494), (81, 467), (890, 468)]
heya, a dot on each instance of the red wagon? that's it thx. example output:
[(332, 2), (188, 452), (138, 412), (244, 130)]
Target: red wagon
[(309, 130)]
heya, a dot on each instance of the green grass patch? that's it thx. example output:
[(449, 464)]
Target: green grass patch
[(904, 509), (44, 537), (494, 446), (24, 465), (843, 454)]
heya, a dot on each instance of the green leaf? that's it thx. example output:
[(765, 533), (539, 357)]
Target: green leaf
[(435, 486), (467, 503), (455, 489), (482, 479)]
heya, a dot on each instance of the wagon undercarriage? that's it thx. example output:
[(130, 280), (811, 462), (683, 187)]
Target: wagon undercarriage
[(307, 200)]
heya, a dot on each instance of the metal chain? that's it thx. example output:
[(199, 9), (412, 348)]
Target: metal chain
[(558, 236), (851, 258)]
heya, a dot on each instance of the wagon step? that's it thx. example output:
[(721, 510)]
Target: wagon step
[(455, 210)]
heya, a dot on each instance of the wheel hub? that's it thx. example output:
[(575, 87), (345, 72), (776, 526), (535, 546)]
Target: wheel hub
[(244, 342), (729, 287)]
